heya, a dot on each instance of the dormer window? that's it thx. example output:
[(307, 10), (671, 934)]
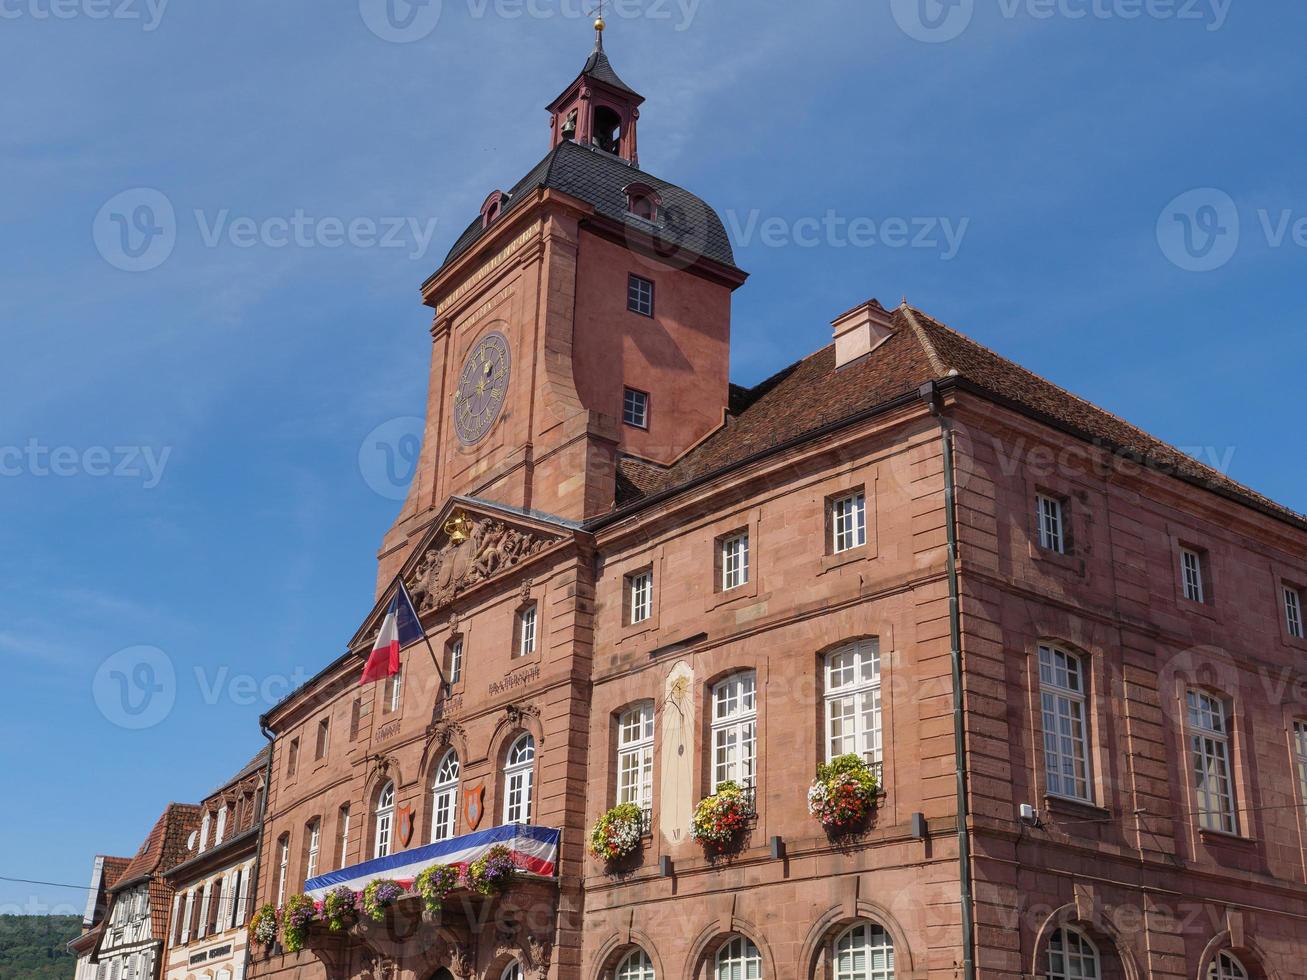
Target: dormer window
[(642, 201), (492, 208)]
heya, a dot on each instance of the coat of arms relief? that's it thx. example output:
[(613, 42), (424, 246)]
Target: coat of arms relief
[(474, 549)]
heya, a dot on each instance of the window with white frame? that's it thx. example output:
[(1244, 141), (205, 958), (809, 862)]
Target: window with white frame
[(342, 822), (221, 830), (315, 843), (456, 660), (397, 690), (1071, 956), (1191, 570), (1062, 696), (635, 408), (512, 972), (1052, 530), (385, 817), (852, 696), (519, 777), (848, 521), (1300, 755), (636, 966), (526, 630), (445, 797), (283, 867), (735, 561), (865, 952), (1226, 966), (640, 296), (635, 745), (639, 588), (735, 730), (1293, 612), (738, 960), (1209, 744), (204, 828)]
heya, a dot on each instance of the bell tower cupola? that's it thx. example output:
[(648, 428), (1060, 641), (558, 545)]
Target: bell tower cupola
[(598, 109)]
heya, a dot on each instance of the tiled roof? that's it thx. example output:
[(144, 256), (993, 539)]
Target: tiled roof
[(113, 870), (163, 848), (811, 394), (254, 765), (687, 223)]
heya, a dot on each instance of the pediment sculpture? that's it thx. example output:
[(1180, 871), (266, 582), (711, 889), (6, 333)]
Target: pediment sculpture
[(473, 549)]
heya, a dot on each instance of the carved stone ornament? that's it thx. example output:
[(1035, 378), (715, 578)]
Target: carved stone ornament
[(474, 550), (516, 713), (540, 952), (461, 961)]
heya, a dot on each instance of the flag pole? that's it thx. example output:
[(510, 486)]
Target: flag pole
[(435, 661)]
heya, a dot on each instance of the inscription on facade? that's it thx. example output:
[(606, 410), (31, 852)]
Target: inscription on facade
[(521, 678)]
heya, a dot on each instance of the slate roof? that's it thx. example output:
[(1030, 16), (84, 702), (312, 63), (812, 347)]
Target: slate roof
[(687, 223), (599, 68), (811, 394)]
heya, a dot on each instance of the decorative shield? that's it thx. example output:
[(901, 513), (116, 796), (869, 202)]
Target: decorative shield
[(406, 823), (474, 805)]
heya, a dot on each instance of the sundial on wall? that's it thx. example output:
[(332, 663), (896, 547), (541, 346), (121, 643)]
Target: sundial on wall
[(482, 388)]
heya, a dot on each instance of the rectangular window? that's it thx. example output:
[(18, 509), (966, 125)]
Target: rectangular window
[(635, 745), (635, 408), (848, 522), (293, 757), (640, 596), (526, 631), (397, 691), (640, 296), (1066, 746), (735, 730), (1300, 754), (1191, 565), (456, 660), (735, 561), (315, 840), (1293, 612), (283, 866), (1209, 742), (1051, 536), (236, 900), (853, 711), (355, 718), (324, 733), (342, 822)]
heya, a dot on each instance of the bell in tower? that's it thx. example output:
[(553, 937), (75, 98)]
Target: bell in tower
[(598, 109)]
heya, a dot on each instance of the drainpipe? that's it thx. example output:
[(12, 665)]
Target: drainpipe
[(931, 396), (258, 848)]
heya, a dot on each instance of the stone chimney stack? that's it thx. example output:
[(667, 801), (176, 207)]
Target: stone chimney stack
[(860, 331)]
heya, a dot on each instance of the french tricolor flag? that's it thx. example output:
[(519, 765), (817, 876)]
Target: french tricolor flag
[(400, 628)]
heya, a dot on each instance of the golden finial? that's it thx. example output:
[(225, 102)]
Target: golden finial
[(600, 23)]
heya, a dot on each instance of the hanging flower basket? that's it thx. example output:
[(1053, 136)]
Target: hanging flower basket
[(721, 818), (618, 833), (263, 927), (493, 873), (844, 793), (340, 908), (379, 896), (296, 918), (434, 885)]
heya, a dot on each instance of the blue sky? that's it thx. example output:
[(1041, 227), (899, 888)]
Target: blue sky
[(236, 386)]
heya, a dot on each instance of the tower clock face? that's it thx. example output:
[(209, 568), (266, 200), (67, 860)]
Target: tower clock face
[(482, 388)]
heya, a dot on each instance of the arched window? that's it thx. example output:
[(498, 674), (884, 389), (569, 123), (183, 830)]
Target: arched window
[(1071, 956), (1226, 966), (1066, 742), (519, 770), (738, 960), (636, 966), (865, 952), (385, 818), (512, 972), (445, 800), (853, 701), (735, 730)]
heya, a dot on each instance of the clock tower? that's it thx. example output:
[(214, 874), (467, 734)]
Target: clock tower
[(583, 316)]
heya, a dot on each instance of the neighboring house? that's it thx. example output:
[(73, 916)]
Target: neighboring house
[(214, 883), (104, 875), (135, 926)]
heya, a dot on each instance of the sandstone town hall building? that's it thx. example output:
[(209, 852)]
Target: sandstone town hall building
[(1043, 631)]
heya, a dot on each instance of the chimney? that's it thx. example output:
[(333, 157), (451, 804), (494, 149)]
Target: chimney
[(860, 331)]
